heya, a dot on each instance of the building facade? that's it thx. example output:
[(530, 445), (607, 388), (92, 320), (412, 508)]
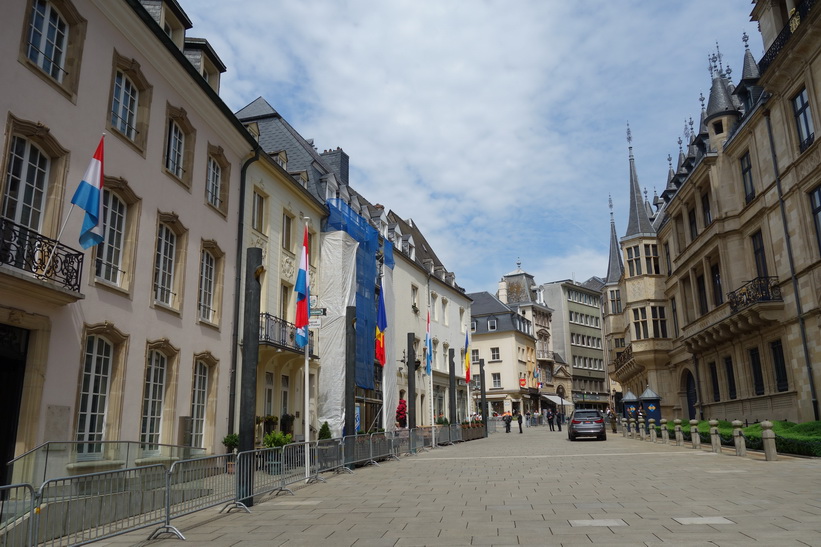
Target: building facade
[(718, 307)]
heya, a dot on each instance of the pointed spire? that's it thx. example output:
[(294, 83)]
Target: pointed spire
[(749, 70), (638, 223), (615, 267), (720, 102)]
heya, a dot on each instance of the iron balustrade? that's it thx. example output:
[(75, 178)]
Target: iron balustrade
[(33, 252), (785, 34), (760, 289), (276, 331)]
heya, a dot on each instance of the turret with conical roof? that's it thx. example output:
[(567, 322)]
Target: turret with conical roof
[(638, 223), (615, 267)]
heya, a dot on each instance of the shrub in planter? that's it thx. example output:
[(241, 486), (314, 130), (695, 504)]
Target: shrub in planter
[(324, 432), (231, 442), (275, 439)]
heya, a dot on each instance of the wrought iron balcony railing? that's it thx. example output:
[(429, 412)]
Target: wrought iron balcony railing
[(760, 289), (278, 332), (31, 252), (785, 34)]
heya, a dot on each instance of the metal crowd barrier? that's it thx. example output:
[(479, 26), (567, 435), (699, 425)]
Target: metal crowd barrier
[(401, 442), (16, 510), (455, 433), (327, 455), (85, 508)]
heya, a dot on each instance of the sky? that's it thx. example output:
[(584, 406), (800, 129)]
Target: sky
[(497, 126)]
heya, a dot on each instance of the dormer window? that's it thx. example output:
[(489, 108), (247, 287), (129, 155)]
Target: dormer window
[(491, 325)]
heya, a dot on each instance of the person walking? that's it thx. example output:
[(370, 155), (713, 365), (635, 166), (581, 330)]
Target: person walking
[(507, 419), (550, 419), (527, 419), (559, 420), (519, 420), (612, 417)]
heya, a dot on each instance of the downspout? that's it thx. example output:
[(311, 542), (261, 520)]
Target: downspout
[(238, 287), (798, 307)]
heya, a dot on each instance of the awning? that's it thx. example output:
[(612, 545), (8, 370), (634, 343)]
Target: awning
[(558, 400)]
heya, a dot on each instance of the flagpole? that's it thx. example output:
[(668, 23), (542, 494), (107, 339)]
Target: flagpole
[(306, 380)]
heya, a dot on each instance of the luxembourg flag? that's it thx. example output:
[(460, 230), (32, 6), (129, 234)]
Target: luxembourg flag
[(302, 295), (88, 197), (428, 348)]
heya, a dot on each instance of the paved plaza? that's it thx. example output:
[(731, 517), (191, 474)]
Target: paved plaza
[(536, 488)]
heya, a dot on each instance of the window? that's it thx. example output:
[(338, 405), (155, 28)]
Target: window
[(779, 366), (208, 268), (659, 322), (108, 265), (179, 145), (168, 261), (634, 260), (714, 378), (130, 102), (815, 203), (667, 261), (284, 386), (445, 311), (217, 174), (27, 178), (758, 254), (701, 289), (494, 354), (53, 43), (284, 298), (153, 401), (651, 256), (718, 295), (434, 308), (474, 356), (287, 240), (268, 404), (94, 394), (803, 120), (640, 323), (473, 326), (705, 210), (728, 367), (491, 325), (258, 212), (615, 301), (674, 311), (747, 177), (758, 375), (691, 216), (497, 379), (199, 396)]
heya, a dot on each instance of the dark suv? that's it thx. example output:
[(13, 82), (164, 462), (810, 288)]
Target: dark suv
[(586, 422)]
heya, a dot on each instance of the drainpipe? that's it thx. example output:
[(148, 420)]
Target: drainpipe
[(799, 310), (238, 287)]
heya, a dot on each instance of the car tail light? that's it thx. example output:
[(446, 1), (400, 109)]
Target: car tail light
[(599, 421), (575, 422)]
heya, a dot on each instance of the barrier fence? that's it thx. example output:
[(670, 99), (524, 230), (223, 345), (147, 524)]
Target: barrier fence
[(82, 509)]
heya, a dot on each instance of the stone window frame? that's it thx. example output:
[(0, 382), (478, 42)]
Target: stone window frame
[(131, 69), (123, 191)]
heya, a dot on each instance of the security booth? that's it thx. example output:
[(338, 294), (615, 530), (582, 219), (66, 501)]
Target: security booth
[(650, 402), (630, 405)]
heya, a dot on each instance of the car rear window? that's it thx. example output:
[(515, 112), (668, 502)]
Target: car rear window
[(586, 415)]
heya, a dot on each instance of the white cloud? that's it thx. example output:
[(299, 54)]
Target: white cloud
[(499, 127)]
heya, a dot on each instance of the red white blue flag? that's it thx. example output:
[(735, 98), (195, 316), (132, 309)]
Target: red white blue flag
[(302, 295), (89, 198)]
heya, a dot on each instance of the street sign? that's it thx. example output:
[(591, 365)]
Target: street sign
[(319, 311), (314, 322)]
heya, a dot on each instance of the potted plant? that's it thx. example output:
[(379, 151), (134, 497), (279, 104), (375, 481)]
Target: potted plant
[(324, 431), (275, 439), (402, 413), (270, 423), (231, 442), (325, 451)]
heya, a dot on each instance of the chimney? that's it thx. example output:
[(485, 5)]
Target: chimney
[(338, 161)]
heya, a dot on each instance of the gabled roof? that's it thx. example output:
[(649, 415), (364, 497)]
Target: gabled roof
[(485, 303)]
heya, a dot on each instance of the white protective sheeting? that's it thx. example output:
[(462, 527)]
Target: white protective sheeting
[(390, 393), (337, 291)]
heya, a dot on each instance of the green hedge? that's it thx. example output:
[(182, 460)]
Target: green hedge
[(790, 438)]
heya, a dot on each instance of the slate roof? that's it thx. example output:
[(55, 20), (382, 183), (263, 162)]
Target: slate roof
[(638, 223)]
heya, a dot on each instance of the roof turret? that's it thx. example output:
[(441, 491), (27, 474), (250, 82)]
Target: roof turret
[(615, 267), (638, 223)]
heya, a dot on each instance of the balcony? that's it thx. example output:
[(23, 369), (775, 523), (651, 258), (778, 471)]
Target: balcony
[(544, 354), (784, 36), (39, 266), (279, 333), (749, 308)]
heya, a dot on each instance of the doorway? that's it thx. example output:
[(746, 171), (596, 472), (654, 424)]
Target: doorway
[(13, 348), (690, 386)]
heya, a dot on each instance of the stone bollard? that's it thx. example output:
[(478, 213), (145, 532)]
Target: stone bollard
[(624, 427), (738, 439), (642, 429), (653, 430), (768, 438), (631, 426), (694, 436), (665, 435), (679, 434), (715, 438)]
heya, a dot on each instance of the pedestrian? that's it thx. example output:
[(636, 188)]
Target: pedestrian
[(612, 417), (519, 419), (527, 419), (559, 420), (550, 419), (507, 419)]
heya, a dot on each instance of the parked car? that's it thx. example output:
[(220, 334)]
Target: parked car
[(586, 422)]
